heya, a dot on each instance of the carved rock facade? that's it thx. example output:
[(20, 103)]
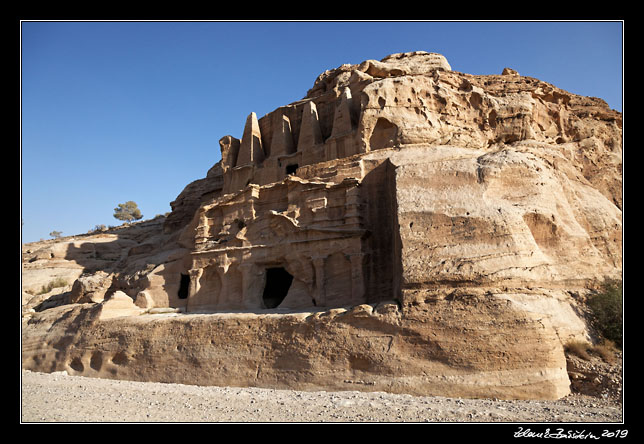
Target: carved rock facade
[(403, 227), (484, 178)]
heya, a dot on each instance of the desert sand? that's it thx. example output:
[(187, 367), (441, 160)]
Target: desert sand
[(58, 397)]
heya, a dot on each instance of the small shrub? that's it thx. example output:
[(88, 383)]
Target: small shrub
[(606, 350), (606, 308), (56, 283), (579, 348)]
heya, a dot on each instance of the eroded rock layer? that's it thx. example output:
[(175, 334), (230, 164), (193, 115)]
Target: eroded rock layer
[(431, 348), (403, 227)]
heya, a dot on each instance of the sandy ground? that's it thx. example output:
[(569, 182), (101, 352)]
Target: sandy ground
[(58, 397)]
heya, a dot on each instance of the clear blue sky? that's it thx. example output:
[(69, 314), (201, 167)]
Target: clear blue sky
[(118, 111)]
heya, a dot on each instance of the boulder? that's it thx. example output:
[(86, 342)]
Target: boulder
[(118, 305), (91, 288)]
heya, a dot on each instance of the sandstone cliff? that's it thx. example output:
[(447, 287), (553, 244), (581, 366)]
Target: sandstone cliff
[(403, 227)]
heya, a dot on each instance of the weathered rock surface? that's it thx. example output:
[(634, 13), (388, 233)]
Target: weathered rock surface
[(430, 348), (484, 207), (91, 288)]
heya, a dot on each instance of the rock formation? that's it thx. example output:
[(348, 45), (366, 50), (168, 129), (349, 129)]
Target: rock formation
[(403, 228)]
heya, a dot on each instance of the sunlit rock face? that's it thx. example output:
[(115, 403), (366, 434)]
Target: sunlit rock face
[(403, 227)]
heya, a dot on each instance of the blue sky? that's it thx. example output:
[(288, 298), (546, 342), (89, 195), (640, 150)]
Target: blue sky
[(118, 111)]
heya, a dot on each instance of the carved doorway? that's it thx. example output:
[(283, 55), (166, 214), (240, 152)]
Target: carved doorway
[(278, 282)]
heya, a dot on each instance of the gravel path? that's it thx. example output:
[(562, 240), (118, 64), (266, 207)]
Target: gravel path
[(58, 397)]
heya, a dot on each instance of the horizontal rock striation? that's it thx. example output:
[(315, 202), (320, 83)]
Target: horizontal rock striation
[(431, 348)]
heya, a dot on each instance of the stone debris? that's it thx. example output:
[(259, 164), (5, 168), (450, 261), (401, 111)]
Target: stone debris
[(62, 398)]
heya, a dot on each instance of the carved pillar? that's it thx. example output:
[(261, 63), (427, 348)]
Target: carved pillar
[(247, 282), (352, 215), (336, 146), (310, 141), (310, 133), (331, 149), (229, 151), (357, 278), (221, 272), (320, 290), (195, 275), (250, 149), (282, 141), (342, 124)]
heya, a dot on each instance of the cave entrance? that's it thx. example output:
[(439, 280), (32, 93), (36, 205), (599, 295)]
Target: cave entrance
[(278, 281), (184, 286), (384, 135), (291, 169)]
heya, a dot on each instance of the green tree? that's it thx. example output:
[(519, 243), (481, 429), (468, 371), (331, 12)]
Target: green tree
[(606, 306), (56, 234), (128, 211)]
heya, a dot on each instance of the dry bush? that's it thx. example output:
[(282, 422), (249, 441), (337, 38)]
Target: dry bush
[(605, 350), (579, 348), (56, 283)]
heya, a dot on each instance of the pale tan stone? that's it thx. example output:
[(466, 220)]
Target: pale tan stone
[(144, 300), (509, 72), (250, 150), (282, 141), (118, 305), (422, 349), (403, 227)]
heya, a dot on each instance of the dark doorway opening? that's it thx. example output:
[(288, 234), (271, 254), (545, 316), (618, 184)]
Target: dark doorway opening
[(278, 281), (291, 169), (184, 286)]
